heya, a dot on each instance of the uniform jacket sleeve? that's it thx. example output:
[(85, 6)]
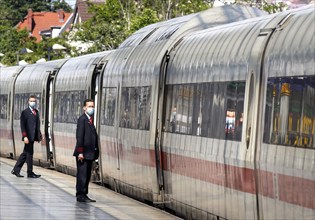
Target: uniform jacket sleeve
[(80, 133), (23, 121)]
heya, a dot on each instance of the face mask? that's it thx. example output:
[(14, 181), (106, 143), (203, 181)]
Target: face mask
[(90, 111), (32, 104)]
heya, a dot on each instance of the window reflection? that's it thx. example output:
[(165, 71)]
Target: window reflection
[(290, 111), (68, 106), (212, 110), (3, 106), (108, 106), (135, 108)]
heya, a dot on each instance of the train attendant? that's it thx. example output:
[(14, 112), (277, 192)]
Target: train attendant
[(30, 126), (86, 150)]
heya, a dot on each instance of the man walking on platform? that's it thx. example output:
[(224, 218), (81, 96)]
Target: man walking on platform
[(86, 150), (30, 127)]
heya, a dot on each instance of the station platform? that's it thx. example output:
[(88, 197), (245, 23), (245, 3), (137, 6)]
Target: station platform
[(52, 196)]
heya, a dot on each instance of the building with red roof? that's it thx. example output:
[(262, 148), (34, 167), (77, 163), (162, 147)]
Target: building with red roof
[(50, 24)]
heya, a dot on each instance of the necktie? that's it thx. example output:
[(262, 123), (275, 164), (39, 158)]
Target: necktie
[(34, 112), (91, 120)]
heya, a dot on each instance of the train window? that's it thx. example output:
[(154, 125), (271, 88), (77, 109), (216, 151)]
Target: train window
[(68, 106), (108, 106), (4, 106), (135, 108), (21, 103), (213, 110), (290, 111)]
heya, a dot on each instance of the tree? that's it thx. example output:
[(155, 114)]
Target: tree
[(106, 29), (167, 9), (148, 16), (12, 41)]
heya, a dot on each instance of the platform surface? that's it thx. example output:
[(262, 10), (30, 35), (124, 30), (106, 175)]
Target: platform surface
[(52, 196)]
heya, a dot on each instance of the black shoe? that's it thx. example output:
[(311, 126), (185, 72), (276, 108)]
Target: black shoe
[(16, 174), (33, 175), (91, 200), (82, 199), (85, 199)]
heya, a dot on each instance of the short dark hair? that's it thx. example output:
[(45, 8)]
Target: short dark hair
[(32, 97), (87, 100)]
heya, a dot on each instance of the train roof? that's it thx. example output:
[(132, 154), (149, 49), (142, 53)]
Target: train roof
[(215, 53), (73, 74), (197, 21), (140, 56), (7, 74), (32, 76), (292, 49)]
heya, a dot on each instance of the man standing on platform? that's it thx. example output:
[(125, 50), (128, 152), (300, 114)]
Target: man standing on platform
[(30, 127), (86, 150)]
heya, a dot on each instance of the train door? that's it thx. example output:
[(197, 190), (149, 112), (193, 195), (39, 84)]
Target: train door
[(48, 119), (159, 129), (117, 138), (11, 113), (253, 108), (95, 94)]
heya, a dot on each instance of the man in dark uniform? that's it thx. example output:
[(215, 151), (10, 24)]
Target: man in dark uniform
[(86, 150), (30, 127)]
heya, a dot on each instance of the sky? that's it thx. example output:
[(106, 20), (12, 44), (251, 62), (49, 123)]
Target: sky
[(71, 3)]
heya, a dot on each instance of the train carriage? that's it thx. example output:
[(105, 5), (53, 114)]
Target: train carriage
[(76, 81), (8, 76), (212, 120), (34, 80), (133, 75), (285, 144)]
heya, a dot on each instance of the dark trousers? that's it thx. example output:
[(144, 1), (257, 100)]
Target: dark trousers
[(26, 155), (84, 170)]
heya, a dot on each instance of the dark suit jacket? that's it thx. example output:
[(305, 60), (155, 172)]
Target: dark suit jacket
[(87, 141), (30, 125)]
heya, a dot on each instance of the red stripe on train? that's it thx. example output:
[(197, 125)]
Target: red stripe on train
[(294, 190)]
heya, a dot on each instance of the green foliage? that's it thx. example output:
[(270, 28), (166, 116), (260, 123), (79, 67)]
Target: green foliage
[(106, 29), (147, 16), (274, 7), (11, 41), (60, 4)]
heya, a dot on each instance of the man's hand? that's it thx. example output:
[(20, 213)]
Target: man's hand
[(80, 157), (26, 141)]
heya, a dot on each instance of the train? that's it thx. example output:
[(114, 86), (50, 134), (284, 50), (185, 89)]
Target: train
[(208, 116)]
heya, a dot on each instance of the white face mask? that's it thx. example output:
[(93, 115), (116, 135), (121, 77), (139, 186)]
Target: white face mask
[(90, 111), (32, 104)]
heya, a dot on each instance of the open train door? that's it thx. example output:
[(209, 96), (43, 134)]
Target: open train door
[(48, 119), (95, 94)]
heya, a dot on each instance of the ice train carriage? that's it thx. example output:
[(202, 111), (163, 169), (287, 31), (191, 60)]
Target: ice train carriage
[(131, 106), (78, 79), (238, 136), (8, 76), (32, 79)]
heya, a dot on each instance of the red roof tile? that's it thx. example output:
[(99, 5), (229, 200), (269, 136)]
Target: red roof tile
[(35, 22)]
